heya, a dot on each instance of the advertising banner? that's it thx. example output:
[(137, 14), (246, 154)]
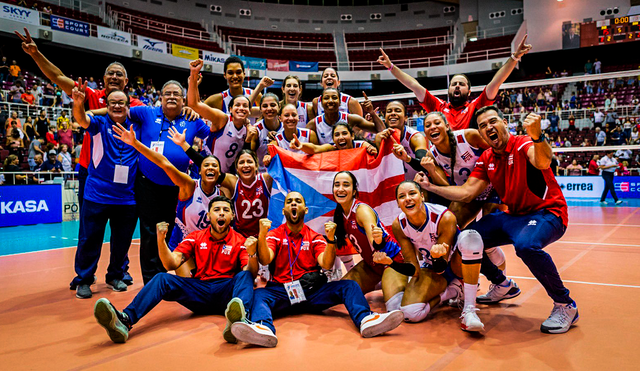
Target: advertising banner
[(70, 25), (592, 186), (153, 45), (20, 14), (214, 58), (253, 63), (184, 52), (30, 204), (303, 66), (277, 65), (114, 36)]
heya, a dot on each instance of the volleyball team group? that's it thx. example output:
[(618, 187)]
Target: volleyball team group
[(466, 193)]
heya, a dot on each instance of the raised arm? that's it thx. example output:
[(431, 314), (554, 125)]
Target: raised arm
[(250, 244), (360, 122), (50, 70), (171, 260), (78, 95), (539, 154), (404, 78), (182, 180), (409, 251), (309, 148), (265, 254), (217, 117), (465, 193), (328, 256), (367, 107), (503, 73)]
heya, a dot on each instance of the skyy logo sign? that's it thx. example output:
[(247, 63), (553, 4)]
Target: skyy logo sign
[(23, 205), (19, 14)]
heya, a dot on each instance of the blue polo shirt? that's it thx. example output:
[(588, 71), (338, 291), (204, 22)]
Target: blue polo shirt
[(154, 126), (100, 186)]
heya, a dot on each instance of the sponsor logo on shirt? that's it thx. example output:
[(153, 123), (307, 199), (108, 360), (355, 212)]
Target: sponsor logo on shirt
[(158, 121), (492, 166), (230, 134), (305, 245), (510, 161), (533, 222), (203, 246)]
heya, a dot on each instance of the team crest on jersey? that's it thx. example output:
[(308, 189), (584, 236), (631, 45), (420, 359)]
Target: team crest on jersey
[(433, 237), (510, 159), (226, 249), (203, 246), (158, 120), (258, 191), (446, 110), (353, 224), (466, 156), (305, 245), (182, 124)]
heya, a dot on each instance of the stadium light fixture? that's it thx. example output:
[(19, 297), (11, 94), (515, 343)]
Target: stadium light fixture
[(473, 39)]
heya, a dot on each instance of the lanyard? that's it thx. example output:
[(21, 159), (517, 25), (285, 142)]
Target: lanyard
[(171, 124), (294, 248)]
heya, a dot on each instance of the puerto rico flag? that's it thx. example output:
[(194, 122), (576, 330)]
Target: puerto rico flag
[(312, 176)]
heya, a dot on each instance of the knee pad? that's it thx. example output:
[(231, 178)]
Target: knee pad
[(415, 312), (496, 255), (470, 246), (394, 302)]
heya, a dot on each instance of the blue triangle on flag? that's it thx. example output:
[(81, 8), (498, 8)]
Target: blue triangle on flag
[(285, 182)]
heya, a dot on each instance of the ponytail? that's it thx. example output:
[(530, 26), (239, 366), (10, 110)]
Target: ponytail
[(452, 154)]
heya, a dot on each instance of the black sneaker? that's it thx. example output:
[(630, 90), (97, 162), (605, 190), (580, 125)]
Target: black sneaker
[(83, 292), (74, 287), (116, 323), (127, 279), (117, 285)]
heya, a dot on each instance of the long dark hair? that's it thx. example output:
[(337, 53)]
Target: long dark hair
[(452, 144), (338, 214)]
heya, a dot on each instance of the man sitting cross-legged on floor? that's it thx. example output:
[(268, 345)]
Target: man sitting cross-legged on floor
[(298, 253), (226, 265)]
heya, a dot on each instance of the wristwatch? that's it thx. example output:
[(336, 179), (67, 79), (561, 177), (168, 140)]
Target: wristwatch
[(539, 140)]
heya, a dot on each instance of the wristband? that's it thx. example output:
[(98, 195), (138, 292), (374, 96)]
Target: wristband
[(221, 178), (513, 56), (539, 140), (391, 67), (330, 241), (254, 255)]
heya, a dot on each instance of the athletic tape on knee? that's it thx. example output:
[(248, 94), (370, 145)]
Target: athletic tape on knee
[(394, 302), (470, 246), (496, 255), (415, 312)]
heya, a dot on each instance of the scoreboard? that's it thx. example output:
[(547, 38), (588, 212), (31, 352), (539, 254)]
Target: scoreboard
[(618, 29)]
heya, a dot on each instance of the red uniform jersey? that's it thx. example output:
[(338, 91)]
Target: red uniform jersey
[(358, 238), (95, 99), (458, 117), (215, 258), (296, 254), (522, 187), (252, 204)]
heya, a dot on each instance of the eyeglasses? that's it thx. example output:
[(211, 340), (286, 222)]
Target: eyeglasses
[(114, 73), (172, 94), (117, 103)]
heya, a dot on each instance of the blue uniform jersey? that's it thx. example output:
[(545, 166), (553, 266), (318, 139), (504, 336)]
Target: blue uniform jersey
[(106, 153), (192, 214), (154, 127)]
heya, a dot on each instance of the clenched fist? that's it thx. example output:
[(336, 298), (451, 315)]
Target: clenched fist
[(377, 234), (162, 228), (251, 244), (330, 230), (439, 250), (265, 225)]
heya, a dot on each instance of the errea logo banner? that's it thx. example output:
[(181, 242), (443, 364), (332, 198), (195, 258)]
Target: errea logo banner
[(114, 36), (34, 204), (19, 14)]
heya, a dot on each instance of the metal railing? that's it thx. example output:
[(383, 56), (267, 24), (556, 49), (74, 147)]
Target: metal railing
[(126, 21), (68, 178), (480, 55), (438, 60), (26, 110), (401, 43), (279, 44), (492, 32), (583, 116)]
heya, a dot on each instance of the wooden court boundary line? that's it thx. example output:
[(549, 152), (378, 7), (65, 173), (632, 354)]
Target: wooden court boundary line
[(446, 359), (582, 282)]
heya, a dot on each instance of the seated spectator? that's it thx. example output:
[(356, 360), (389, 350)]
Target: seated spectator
[(52, 164), (14, 71), (564, 73), (585, 143), (65, 158), (38, 159), (588, 86), (14, 142), (566, 142), (51, 136), (633, 138), (594, 168), (11, 120), (574, 169), (28, 97), (623, 154), (636, 104), (92, 84), (11, 165), (601, 137), (623, 169), (16, 92), (65, 135)]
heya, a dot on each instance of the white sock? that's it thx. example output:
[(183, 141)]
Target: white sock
[(448, 293), (470, 292), (394, 302)]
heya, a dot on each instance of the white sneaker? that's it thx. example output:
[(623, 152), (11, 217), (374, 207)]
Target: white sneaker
[(470, 320), (498, 293), (254, 333), (378, 323), (561, 318), (235, 312), (618, 202)]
